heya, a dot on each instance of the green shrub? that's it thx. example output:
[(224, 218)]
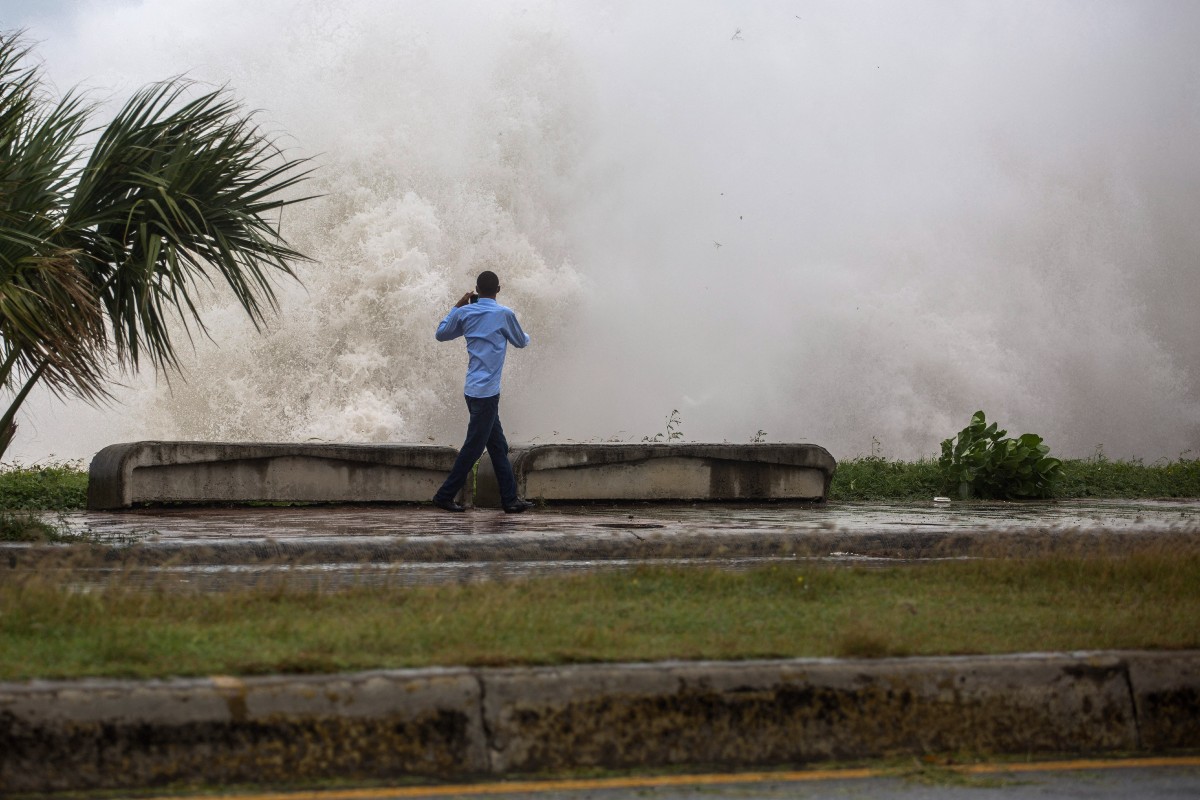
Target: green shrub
[(983, 462), (60, 486)]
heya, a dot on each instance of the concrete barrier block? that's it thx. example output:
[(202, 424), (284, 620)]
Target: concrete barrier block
[(694, 471), (798, 711), (115, 734), (1166, 693), (122, 475)]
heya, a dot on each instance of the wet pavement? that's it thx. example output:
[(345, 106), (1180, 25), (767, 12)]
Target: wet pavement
[(313, 524), (217, 547)]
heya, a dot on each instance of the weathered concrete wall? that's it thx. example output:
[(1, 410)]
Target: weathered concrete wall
[(460, 722), (122, 475), (91, 734), (771, 713), (1166, 690), (622, 471)]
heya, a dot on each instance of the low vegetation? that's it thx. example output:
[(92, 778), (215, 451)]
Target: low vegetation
[(54, 486), (1100, 477), (26, 492), (27, 526), (872, 478), (982, 462), (877, 478), (51, 629)]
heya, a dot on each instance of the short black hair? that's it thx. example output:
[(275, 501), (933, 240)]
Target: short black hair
[(487, 282)]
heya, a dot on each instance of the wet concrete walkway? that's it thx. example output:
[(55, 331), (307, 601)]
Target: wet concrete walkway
[(219, 547), (343, 523)]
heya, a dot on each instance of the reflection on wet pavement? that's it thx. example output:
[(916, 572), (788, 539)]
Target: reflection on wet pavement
[(313, 524), (335, 546)]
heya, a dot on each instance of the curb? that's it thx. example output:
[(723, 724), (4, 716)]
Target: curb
[(460, 722)]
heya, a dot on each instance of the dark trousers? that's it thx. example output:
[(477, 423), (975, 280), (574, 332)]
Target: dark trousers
[(483, 431)]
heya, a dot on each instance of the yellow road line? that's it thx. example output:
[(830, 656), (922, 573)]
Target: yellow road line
[(1079, 764), (652, 781)]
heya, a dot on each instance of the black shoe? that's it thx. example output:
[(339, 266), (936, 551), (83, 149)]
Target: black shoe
[(518, 506), (448, 505)]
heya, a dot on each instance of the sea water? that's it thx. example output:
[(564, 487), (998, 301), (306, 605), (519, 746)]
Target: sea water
[(851, 224)]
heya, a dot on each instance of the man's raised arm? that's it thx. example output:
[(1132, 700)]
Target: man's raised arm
[(513, 331), (451, 327)]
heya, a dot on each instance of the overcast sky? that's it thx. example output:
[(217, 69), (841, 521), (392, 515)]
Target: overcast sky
[(27, 13)]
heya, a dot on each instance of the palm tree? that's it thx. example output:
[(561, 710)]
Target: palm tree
[(103, 248)]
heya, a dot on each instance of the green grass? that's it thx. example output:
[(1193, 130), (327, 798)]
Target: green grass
[(51, 629), (58, 486), (28, 526), (872, 478), (1099, 477), (27, 492)]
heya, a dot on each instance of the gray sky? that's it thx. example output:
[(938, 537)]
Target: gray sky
[(24, 13)]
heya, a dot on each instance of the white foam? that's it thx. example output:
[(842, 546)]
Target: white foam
[(919, 214)]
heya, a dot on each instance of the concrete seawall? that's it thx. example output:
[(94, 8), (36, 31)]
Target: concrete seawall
[(123, 475), (462, 722), (637, 472), (147, 473)]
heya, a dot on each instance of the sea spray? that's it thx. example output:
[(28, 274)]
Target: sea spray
[(845, 222)]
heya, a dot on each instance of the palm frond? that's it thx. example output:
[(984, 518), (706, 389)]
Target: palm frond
[(50, 322), (177, 194), (99, 256)]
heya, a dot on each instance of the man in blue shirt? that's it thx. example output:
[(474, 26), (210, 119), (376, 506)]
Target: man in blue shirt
[(489, 328)]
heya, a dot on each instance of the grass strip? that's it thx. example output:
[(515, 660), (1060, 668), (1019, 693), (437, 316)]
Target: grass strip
[(873, 478), (28, 526), (27, 492), (51, 629)]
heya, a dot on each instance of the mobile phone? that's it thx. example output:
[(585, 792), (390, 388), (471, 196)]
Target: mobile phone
[(474, 297)]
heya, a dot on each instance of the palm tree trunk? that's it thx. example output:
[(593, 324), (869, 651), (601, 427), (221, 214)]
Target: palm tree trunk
[(8, 425), (8, 365)]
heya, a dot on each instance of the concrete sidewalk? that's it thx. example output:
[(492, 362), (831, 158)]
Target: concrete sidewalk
[(400, 534), (459, 722)]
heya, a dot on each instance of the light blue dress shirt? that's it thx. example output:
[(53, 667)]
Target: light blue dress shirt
[(489, 327)]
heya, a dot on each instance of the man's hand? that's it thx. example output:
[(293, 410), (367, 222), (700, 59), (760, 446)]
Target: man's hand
[(466, 298)]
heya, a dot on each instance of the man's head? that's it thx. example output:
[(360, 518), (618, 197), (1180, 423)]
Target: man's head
[(487, 284)]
